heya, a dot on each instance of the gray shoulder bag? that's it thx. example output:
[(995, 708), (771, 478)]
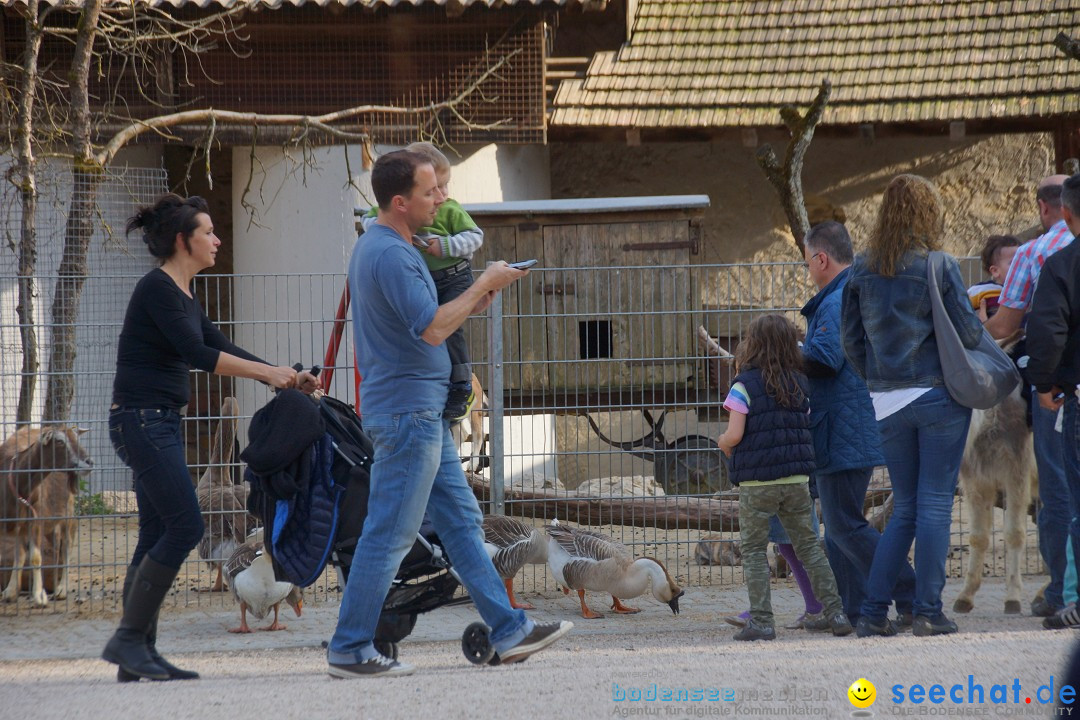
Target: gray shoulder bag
[(978, 378)]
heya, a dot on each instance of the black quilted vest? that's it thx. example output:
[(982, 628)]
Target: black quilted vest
[(777, 441)]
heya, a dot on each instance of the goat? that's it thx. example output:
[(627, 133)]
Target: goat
[(999, 460), (40, 470), (471, 430)]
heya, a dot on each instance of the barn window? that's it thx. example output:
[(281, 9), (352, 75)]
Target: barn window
[(594, 339)]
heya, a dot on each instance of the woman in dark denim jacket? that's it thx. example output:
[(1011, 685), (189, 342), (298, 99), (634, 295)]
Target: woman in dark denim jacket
[(888, 331)]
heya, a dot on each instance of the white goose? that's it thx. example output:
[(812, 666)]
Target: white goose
[(251, 578), (511, 544), (585, 560)]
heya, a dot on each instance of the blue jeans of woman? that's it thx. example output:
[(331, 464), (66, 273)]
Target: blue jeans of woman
[(850, 542), (923, 444), (416, 469), (149, 441)]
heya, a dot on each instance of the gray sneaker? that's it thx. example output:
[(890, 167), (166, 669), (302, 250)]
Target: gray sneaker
[(753, 631), (380, 666), (542, 635)]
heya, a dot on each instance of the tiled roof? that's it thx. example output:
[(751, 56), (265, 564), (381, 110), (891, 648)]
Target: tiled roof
[(730, 63)]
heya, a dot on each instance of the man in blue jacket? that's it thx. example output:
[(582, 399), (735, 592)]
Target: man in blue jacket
[(846, 442)]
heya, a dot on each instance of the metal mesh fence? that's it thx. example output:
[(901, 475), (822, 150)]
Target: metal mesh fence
[(313, 60), (602, 409)]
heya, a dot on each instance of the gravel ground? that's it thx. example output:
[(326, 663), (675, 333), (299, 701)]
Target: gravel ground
[(49, 666)]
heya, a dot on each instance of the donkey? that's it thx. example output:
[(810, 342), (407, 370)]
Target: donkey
[(999, 460), (38, 481)]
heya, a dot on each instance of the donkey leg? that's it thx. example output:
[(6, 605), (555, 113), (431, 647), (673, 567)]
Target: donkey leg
[(1016, 503), (980, 505), (14, 586)]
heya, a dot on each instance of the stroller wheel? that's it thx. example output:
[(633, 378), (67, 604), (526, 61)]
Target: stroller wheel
[(387, 648), (476, 643)]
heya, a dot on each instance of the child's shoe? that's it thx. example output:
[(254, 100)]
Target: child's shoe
[(753, 631), (459, 402)]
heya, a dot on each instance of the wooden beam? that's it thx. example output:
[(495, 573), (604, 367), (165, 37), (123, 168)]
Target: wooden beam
[(668, 512)]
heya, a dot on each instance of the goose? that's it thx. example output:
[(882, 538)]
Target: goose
[(251, 578), (585, 560), (223, 504), (511, 544)]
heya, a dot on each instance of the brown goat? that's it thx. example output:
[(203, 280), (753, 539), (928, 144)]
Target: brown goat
[(39, 468)]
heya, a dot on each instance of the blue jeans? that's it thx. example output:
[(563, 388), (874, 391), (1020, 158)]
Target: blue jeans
[(923, 444), (416, 468), (1055, 500), (1070, 441), (149, 441), (850, 542)]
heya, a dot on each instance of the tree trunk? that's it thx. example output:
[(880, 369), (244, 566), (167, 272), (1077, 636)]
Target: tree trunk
[(87, 176), (69, 286), (786, 179), (26, 163), (25, 308)]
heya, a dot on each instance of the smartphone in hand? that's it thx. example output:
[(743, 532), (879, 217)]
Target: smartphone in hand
[(522, 264)]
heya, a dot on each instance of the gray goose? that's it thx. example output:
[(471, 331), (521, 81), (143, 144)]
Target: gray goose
[(223, 504), (511, 544), (585, 560)]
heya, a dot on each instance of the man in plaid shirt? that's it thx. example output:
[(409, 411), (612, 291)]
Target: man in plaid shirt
[(1014, 302)]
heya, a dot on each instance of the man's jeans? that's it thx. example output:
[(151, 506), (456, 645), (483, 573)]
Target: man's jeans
[(923, 444), (850, 542), (416, 469), (1055, 500), (1070, 441)]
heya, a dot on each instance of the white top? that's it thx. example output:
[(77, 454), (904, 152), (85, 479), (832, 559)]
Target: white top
[(890, 401)]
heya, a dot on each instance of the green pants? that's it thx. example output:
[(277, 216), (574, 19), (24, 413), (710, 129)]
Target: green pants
[(791, 503)]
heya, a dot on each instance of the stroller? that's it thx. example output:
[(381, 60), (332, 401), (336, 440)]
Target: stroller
[(426, 579)]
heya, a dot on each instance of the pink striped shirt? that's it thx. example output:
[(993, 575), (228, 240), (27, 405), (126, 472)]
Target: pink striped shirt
[(1028, 262)]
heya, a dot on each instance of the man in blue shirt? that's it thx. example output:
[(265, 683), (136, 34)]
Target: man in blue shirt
[(400, 331), (846, 442)]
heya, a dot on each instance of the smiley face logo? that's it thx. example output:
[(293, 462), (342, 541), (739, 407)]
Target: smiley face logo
[(862, 693)]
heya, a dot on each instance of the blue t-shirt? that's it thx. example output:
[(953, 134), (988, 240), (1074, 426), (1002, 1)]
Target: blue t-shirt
[(393, 302)]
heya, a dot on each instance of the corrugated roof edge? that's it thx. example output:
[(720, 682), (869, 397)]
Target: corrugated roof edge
[(584, 205)]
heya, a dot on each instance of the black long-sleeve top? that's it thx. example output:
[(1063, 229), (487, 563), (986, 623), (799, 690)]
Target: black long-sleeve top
[(165, 333), (1053, 327)]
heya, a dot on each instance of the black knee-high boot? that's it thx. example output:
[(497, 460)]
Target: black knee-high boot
[(175, 673), (127, 647)]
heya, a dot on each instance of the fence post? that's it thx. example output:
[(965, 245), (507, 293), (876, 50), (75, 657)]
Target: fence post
[(495, 392)]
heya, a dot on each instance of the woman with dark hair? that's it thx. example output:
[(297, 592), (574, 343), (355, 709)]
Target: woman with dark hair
[(888, 333), (165, 333)]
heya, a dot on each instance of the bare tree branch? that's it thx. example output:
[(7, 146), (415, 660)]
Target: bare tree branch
[(1070, 47), (322, 123), (786, 179)]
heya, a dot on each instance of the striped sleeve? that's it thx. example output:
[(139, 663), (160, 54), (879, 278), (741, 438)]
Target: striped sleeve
[(738, 400)]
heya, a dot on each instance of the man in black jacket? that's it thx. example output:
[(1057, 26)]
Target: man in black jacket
[(1053, 345)]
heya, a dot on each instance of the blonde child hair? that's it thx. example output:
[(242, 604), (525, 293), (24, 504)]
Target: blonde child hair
[(431, 153)]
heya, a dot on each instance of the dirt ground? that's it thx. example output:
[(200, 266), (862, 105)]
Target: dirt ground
[(49, 663)]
